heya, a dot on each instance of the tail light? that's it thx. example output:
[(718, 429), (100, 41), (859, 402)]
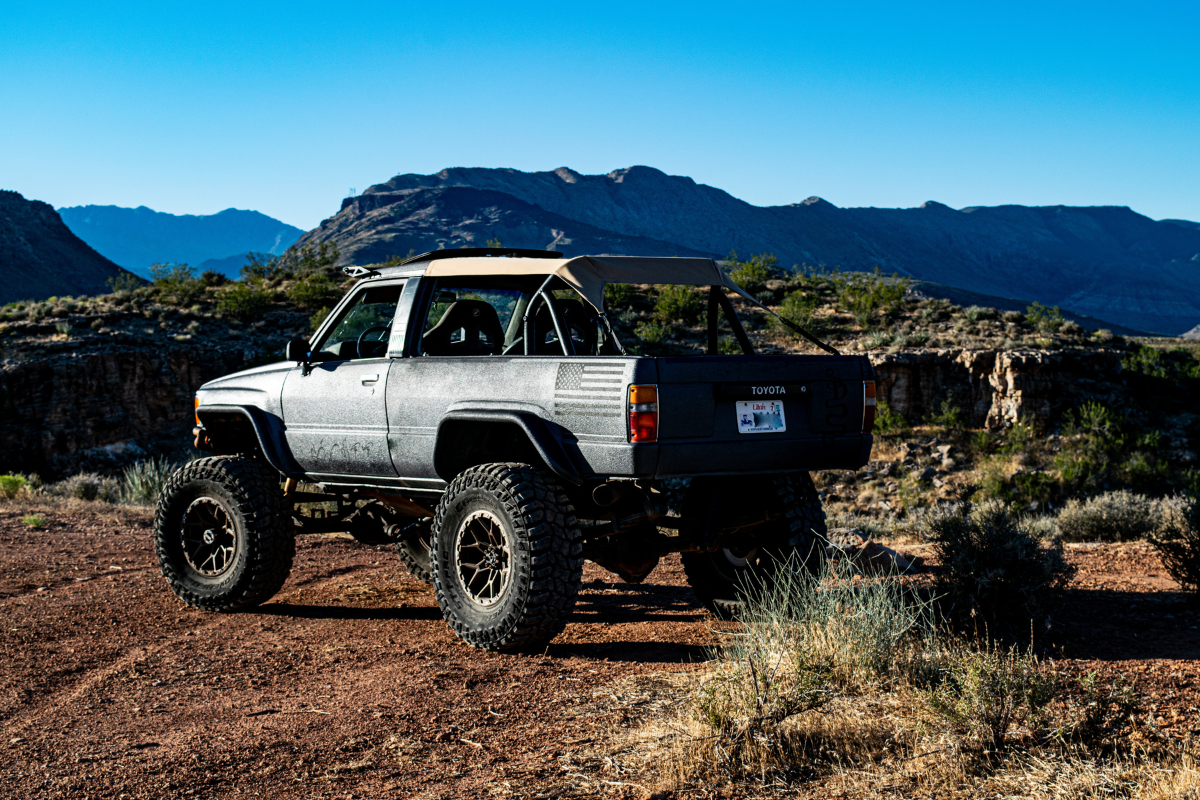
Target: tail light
[(868, 406), (643, 413), (196, 409)]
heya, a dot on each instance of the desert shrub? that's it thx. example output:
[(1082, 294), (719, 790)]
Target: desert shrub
[(1175, 365), (618, 295), (1092, 436), (988, 693), (1071, 328), (295, 262), (212, 278), (242, 301), (678, 303), (1120, 516), (1013, 316), (176, 284), (34, 521), (1043, 318), (803, 638), (798, 308), (887, 421), (753, 275), (143, 482), (319, 317), (865, 293), (87, 486), (1103, 336), (125, 282), (997, 576), (977, 313), (12, 485), (1178, 543), (313, 291), (948, 416)]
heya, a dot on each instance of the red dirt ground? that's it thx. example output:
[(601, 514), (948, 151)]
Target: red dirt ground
[(349, 685)]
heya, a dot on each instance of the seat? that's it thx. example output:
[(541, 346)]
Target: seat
[(577, 321), (482, 334)]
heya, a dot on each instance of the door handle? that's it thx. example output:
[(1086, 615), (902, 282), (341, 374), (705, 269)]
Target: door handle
[(370, 378)]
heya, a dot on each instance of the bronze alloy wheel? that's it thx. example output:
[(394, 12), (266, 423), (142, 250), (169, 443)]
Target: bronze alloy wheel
[(209, 537), (482, 559)]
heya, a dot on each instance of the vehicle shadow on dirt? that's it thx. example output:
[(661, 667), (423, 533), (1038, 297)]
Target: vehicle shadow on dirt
[(631, 652), (1113, 625), (300, 611)]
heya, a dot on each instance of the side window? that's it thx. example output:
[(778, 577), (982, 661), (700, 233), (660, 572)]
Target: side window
[(364, 327), (469, 320)]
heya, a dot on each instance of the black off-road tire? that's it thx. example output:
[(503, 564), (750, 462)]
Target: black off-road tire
[(369, 525), (719, 578), (414, 553), (256, 524), (545, 556)]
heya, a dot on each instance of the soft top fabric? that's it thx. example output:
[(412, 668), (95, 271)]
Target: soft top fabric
[(588, 274)]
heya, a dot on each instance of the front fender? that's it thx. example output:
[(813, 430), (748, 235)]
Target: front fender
[(268, 432)]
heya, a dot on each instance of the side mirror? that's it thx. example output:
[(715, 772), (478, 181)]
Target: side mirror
[(297, 350)]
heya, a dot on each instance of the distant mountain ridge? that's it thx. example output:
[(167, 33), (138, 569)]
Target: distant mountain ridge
[(135, 238), (1106, 262), (40, 257)]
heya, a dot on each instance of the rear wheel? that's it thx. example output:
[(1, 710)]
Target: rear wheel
[(720, 578), (221, 534), (506, 556), (413, 550)]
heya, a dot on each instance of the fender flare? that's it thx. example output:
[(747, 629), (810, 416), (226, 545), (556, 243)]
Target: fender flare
[(534, 427), (268, 430)]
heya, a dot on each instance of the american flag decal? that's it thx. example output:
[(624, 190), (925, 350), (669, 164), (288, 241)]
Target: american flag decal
[(589, 390)]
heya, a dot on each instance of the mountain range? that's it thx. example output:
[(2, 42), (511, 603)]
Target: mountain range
[(135, 238), (1104, 261), (40, 257)]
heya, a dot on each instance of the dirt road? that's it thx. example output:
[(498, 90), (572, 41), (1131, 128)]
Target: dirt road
[(348, 684)]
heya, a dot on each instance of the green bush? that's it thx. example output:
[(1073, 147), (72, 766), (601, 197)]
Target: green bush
[(1041, 318), (987, 694), (1092, 436), (948, 416), (1175, 365), (143, 482), (124, 282), (34, 521), (677, 303), (977, 313), (87, 486), (864, 294), (798, 308), (177, 284), (753, 275), (12, 484), (316, 319), (1178, 543), (887, 421), (997, 576), (313, 292), (243, 302), (618, 296), (1120, 516)]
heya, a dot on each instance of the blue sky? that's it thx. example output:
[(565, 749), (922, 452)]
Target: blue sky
[(283, 107)]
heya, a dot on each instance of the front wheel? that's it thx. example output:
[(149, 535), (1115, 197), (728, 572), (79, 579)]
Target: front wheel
[(506, 556), (221, 534)]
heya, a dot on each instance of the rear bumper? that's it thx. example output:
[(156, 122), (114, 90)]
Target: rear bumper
[(677, 459)]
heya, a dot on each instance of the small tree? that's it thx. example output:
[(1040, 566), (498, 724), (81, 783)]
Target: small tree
[(753, 275), (176, 283)]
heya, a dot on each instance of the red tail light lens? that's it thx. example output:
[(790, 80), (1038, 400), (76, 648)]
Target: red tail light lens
[(868, 406), (643, 413)]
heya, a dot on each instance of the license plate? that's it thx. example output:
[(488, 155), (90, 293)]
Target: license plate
[(760, 416)]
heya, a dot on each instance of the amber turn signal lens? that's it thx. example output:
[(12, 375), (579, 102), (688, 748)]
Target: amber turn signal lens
[(196, 410), (868, 406), (643, 413)]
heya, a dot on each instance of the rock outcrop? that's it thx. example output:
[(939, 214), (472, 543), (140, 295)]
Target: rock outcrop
[(40, 257), (1106, 262), (994, 388)]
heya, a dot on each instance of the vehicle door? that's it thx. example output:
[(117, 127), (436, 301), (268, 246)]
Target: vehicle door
[(334, 409)]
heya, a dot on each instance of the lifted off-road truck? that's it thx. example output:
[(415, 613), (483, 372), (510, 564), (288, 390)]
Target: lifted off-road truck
[(476, 409)]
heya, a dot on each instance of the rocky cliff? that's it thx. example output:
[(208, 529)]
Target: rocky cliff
[(40, 257), (1106, 262)]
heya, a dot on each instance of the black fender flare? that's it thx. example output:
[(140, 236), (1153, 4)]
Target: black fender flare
[(534, 427), (268, 430)]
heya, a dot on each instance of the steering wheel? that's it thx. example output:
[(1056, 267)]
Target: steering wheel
[(362, 336)]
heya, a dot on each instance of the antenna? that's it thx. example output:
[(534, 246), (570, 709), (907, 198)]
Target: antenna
[(353, 192)]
